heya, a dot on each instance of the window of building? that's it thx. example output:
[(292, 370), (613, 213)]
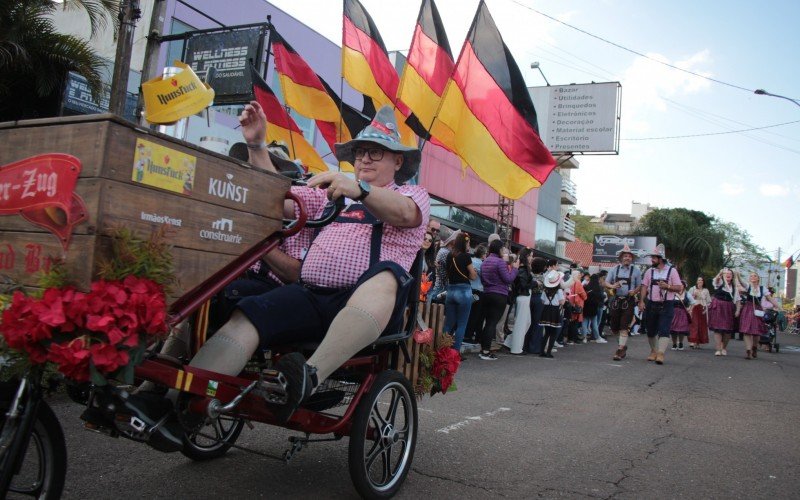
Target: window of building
[(175, 48), (546, 234), (463, 217)]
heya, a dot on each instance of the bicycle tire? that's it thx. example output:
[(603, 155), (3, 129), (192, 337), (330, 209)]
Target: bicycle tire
[(47, 442)]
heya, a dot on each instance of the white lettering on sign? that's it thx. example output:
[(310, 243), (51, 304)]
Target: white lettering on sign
[(222, 231), (227, 189), (161, 219), (39, 183)]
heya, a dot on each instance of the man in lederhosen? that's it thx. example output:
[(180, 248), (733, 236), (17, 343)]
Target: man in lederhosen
[(624, 279), (660, 286)]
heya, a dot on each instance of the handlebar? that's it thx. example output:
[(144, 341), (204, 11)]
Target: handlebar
[(329, 213)]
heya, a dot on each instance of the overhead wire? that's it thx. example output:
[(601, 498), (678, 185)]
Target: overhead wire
[(636, 52)]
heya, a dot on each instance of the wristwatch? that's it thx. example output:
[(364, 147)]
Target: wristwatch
[(365, 189)]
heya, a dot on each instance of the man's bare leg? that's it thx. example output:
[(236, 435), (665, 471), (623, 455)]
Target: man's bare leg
[(357, 325)]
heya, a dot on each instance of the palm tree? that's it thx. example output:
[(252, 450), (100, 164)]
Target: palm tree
[(35, 58)]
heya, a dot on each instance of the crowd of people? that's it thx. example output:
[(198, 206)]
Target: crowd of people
[(495, 299)]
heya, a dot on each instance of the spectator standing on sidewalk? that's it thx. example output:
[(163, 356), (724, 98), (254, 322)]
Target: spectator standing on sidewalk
[(533, 337), (440, 274), (459, 291), (496, 278), (523, 284), (475, 323), (552, 312), (591, 309)]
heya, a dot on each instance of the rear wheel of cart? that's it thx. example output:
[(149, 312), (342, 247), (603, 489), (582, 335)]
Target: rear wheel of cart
[(383, 436)]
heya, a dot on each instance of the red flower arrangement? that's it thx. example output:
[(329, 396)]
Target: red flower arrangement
[(88, 335), (445, 365), (438, 365)]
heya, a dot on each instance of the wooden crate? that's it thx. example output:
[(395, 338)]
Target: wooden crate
[(214, 214), (433, 314)]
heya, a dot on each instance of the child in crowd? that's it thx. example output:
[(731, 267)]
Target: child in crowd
[(552, 314)]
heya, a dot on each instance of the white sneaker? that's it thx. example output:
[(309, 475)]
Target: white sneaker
[(558, 345), (717, 353), (601, 340), (554, 349), (724, 352)]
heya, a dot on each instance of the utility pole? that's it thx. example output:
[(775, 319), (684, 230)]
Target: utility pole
[(151, 51), (129, 13)]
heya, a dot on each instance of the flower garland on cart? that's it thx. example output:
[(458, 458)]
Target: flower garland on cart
[(438, 363), (100, 334)]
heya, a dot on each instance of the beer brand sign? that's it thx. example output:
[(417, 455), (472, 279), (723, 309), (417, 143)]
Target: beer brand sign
[(42, 190), (163, 167)]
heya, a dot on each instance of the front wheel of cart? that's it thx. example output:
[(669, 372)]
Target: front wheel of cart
[(383, 436)]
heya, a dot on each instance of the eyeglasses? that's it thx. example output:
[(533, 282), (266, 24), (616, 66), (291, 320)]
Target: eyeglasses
[(375, 154)]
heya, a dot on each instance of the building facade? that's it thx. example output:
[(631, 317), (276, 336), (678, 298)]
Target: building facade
[(460, 199)]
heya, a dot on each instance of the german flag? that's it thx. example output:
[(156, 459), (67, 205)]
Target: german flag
[(366, 65), (281, 126), (308, 94), (428, 67), (487, 116)]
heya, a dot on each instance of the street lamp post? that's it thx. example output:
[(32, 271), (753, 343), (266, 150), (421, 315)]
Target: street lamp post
[(764, 92), (535, 65)]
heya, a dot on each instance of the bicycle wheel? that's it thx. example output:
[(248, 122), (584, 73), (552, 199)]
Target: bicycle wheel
[(383, 437), (199, 445), (43, 468)]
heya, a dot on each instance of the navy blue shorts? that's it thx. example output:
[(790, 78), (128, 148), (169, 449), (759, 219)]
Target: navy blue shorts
[(300, 313)]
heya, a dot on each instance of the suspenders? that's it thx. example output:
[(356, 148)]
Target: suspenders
[(650, 291)]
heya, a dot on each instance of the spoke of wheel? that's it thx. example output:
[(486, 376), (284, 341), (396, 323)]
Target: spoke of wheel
[(387, 465), (376, 450), (392, 414), (218, 429), (376, 414)]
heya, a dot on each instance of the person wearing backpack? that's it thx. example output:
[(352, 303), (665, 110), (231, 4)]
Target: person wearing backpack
[(751, 318), (591, 309), (660, 286)]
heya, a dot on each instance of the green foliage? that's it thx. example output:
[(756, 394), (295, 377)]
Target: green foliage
[(142, 257), (585, 229), (35, 58), (699, 244)]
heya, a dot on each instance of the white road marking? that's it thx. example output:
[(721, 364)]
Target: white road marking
[(469, 420)]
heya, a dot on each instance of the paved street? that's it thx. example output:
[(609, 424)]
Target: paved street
[(577, 426)]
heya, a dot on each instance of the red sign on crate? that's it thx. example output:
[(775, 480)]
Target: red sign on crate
[(42, 190)]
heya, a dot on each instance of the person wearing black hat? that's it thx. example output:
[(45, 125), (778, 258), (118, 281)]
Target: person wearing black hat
[(660, 287), (624, 280), (355, 273)]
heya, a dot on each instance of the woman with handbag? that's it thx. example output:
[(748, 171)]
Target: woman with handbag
[(496, 276), (523, 284), (460, 272), (751, 319)]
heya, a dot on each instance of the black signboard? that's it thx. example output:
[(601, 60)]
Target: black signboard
[(229, 53), (606, 247), (78, 98)]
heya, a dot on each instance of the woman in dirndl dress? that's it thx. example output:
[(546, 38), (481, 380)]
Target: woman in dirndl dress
[(722, 311), (751, 319), (679, 328), (698, 329)]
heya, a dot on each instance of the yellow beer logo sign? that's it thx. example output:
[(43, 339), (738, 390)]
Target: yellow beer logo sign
[(162, 167), (182, 89)]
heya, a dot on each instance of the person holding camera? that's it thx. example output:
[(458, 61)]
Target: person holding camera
[(660, 286)]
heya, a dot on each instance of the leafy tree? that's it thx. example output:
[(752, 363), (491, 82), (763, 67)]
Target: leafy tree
[(739, 251), (35, 58), (699, 244), (585, 229)]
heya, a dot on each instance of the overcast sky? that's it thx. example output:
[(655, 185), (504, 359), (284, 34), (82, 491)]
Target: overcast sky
[(750, 178)]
